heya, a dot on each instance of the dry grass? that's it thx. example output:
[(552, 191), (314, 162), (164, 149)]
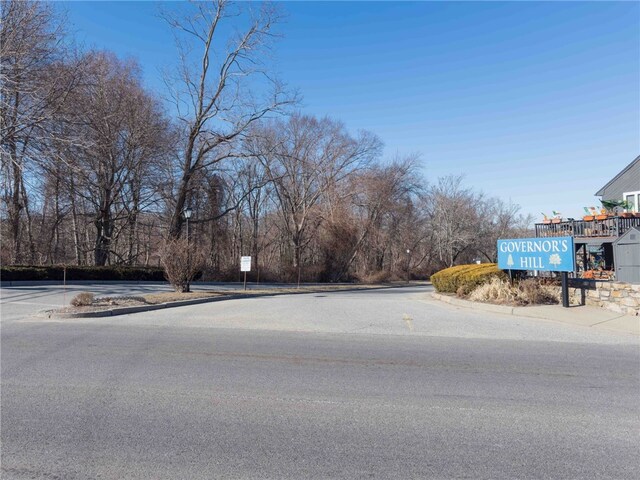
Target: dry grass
[(532, 292), (526, 292), (156, 298), (495, 291), (108, 301), (378, 277), (83, 299)]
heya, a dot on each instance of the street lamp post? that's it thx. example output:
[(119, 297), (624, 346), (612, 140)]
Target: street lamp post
[(408, 262), (187, 212)]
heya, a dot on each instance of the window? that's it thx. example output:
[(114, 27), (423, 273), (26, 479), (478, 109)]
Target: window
[(633, 198)]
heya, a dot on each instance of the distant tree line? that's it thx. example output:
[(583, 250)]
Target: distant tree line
[(98, 170)]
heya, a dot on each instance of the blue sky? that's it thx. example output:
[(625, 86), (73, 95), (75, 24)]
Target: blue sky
[(534, 102)]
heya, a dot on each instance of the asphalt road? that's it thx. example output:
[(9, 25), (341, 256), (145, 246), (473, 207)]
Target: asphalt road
[(370, 384), (23, 300)]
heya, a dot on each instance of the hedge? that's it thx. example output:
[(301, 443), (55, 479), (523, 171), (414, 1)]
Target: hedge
[(463, 279), (56, 272)]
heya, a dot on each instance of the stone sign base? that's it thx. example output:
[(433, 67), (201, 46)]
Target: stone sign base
[(616, 296)]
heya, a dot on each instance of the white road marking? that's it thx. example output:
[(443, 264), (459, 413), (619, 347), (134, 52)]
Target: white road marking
[(30, 303), (409, 321)]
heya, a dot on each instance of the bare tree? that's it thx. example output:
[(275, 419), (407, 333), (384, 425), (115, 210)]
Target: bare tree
[(382, 194), (255, 175), (213, 95), (498, 220), (93, 172), (31, 94), (466, 224), (454, 217), (123, 136), (305, 157), (182, 262)]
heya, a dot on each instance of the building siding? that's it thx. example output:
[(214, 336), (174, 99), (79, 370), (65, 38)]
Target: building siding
[(628, 182)]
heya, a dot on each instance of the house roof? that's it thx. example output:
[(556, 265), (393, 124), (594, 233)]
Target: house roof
[(600, 192), (623, 238)]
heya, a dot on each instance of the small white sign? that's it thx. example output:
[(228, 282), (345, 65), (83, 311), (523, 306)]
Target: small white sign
[(245, 264)]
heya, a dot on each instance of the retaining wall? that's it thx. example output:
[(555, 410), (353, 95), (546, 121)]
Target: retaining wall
[(616, 296)]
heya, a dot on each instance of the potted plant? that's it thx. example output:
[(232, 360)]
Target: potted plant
[(628, 207), (589, 216), (616, 207), (603, 215)]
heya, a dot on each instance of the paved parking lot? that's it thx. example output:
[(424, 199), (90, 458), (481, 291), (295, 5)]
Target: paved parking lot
[(20, 300)]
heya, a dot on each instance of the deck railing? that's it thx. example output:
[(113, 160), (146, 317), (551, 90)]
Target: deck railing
[(609, 227)]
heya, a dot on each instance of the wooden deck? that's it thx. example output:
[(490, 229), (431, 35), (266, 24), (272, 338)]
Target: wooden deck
[(612, 228)]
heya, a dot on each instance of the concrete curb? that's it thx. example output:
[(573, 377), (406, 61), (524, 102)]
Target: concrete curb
[(142, 308), (183, 303), (487, 307), (591, 317)]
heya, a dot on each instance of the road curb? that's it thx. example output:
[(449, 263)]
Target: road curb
[(112, 312), (487, 307), (183, 303), (614, 322)]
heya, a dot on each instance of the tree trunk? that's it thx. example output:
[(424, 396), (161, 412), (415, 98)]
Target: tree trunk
[(74, 220), (15, 206), (254, 246), (175, 229), (29, 224), (56, 225), (103, 238)]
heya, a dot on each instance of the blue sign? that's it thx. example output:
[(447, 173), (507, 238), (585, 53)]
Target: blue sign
[(552, 254)]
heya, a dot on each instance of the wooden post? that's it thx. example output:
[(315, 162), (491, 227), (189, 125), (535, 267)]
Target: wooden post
[(64, 284), (245, 280), (565, 289)]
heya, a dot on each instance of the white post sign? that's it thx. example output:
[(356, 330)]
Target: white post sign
[(245, 264)]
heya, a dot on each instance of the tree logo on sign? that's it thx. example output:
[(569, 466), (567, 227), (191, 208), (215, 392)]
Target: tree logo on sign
[(555, 259)]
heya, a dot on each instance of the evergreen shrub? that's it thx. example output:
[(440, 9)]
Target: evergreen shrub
[(14, 273), (463, 279)]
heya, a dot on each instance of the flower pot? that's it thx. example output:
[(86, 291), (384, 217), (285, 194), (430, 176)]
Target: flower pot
[(601, 217), (546, 221), (556, 220), (626, 215), (588, 218)]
